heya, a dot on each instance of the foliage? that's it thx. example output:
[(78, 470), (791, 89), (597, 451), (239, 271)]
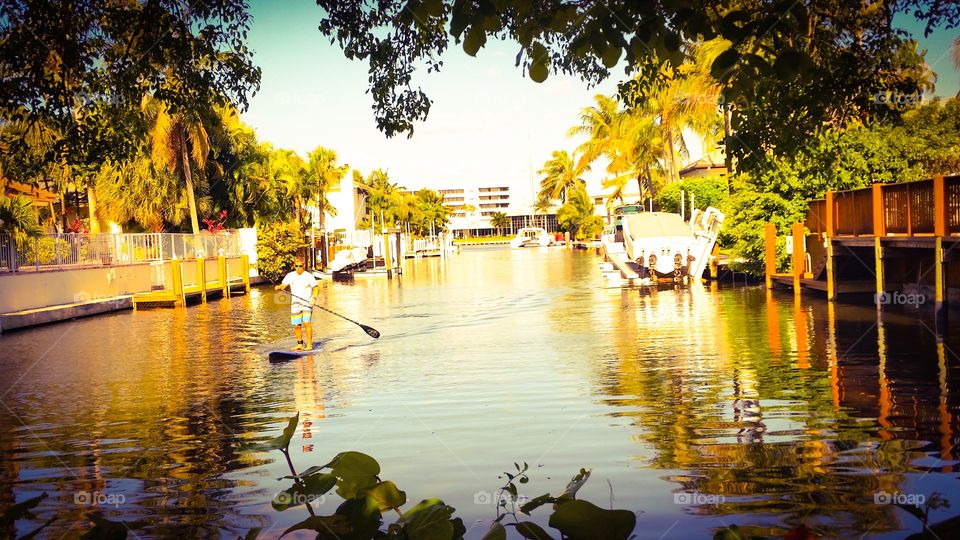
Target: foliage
[(323, 174), (367, 497), (382, 196), (216, 224), (18, 219), (801, 51), (278, 246), (83, 67), (577, 216), (561, 173), (924, 142), (499, 221), (706, 192)]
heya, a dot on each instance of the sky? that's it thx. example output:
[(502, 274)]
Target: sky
[(488, 125)]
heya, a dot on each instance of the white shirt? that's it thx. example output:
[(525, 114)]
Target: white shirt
[(300, 285)]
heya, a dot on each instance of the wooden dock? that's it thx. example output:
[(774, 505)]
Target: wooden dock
[(881, 239), (180, 294)]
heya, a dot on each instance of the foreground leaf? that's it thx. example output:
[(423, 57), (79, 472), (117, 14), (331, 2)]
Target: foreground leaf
[(386, 495), (354, 471), (364, 517), (531, 530), (495, 532), (305, 491), (326, 526), (429, 520), (581, 520), (278, 443)]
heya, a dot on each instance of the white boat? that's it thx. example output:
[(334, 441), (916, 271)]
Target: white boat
[(651, 245), (531, 237)]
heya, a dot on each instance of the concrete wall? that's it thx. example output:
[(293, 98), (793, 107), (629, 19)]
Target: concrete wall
[(32, 290)]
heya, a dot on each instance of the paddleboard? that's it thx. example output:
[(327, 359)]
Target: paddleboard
[(285, 355)]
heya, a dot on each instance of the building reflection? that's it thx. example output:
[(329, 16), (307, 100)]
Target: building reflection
[(753, 408)]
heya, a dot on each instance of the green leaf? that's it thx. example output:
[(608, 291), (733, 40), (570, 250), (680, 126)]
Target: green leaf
[(537, 502), (495, 532), (364, 516), (582, 519), (354, 471), (386, 495), (304, 491), (723, 62), (326, 526), (788, 63), (476, 38), (611, 55), (19, 510), (252, 534), (529, 529), (278, 443), (429, 520), (538, 72)]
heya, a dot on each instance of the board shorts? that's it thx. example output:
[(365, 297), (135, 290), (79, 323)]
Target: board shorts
[(300, 315)]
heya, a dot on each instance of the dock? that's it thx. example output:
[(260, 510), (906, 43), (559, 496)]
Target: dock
[(180, 293), (895, 241)]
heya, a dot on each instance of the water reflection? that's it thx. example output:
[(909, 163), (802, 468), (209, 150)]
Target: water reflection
[(784, 410)]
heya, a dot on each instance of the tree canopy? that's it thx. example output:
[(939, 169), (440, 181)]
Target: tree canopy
[(829, 57), (83, 67)]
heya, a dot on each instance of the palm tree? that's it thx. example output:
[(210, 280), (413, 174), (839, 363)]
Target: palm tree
[(499, 220), (180, 143), (435, 215), (577, 215), (18, 219), (323, 173), (137, 191), (382, 195), (289, 170), (955, 49), (561, 173)]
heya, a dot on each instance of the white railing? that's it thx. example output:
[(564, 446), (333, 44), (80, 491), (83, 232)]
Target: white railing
[(71, 250)]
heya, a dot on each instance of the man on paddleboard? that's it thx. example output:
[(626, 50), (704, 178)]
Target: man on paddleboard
[(303, 285)]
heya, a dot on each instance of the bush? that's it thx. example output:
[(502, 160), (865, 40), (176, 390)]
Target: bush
[(278, 246), (706, 191)]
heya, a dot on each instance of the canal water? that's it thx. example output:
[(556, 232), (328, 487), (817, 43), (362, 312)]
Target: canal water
[(696, 408)]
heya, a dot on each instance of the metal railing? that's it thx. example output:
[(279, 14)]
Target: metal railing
[(72, 250)]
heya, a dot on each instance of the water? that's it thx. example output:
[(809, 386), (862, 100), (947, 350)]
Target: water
[(695, 408)]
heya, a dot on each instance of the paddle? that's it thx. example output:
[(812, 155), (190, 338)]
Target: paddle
[(372, 332)]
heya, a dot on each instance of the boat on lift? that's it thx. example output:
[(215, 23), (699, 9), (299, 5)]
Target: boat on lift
[(531, 237), (648, 246)]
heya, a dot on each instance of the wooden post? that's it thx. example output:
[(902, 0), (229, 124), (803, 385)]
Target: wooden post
[(176, 269), (879, 212), (939, 206), (202, 277), (940, 285), (715, 262), (770, 252), (245, 268), (878, 266), (831, 273), (386, 255), (222, 274), (799, 256), (828, 210)]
